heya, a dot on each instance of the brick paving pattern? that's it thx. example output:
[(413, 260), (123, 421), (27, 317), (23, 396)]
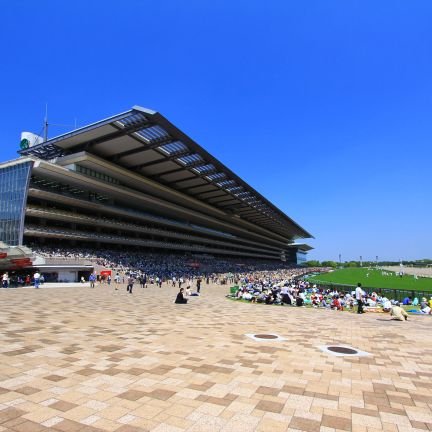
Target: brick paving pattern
[(89, 360)]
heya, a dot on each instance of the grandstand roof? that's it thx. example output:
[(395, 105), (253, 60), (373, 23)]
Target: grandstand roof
[(302, 247), (145, 142)]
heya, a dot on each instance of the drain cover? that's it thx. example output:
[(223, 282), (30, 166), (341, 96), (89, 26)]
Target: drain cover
[(265, 336), (342, 350)]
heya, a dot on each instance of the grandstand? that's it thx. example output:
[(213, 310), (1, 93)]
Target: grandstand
[(135, 181)]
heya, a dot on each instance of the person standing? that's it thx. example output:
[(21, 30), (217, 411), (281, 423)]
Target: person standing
[(198, 283), (130, 283), (36, 278), (92, 280), (359, 297), (5, 280)]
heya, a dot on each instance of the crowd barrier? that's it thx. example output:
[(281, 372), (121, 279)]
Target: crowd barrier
[(390, 293)]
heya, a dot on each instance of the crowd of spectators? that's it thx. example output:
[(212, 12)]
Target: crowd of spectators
[(258, 281), (288, 287), (164, 266)]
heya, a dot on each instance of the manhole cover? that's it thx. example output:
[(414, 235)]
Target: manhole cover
[(265, 337), (342, 350)]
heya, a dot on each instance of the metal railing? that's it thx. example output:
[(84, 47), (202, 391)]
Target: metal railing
[(390, 293)]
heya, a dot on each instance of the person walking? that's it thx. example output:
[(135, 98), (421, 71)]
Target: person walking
[(130, 283), (116, 280), (359, 297), (36, 278), (5, 280)]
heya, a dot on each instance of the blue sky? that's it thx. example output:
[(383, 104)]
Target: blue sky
[(325, 107)]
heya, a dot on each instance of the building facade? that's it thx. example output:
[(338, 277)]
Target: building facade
[(136, 181)]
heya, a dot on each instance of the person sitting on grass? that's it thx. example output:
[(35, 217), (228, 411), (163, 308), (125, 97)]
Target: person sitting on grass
[(386, 304), (269, 298), (324, 303), (406, 301), (299, 301), (336, 304), (180, 298), (397, 313), (424, 307)]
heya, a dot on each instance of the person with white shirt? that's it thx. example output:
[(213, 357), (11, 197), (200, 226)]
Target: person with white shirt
[(5, 280), (386, 304), (36, 278), (359, 297)]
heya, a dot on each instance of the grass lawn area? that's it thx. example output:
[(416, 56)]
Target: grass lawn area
[(351, 276)]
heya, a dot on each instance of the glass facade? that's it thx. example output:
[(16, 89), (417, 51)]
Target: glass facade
[(301, 257), (14, 181)]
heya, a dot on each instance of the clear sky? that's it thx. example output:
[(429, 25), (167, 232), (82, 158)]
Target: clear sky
[(324, 107)]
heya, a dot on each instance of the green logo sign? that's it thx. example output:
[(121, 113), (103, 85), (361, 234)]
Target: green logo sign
[(24, 144)]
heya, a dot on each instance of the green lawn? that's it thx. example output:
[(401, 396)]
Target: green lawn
[(351, 276)]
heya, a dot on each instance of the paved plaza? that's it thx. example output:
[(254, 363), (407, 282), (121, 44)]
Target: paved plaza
[(81, 359)]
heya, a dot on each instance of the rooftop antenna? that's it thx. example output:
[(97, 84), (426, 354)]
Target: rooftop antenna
[(46, 124)]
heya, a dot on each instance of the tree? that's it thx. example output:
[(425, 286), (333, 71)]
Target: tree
[(332, 264), (313, 263)]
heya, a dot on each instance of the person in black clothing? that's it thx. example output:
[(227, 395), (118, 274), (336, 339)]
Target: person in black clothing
[(269, 298), (198, 285), (180, 298), (299, 301), (286, 299)]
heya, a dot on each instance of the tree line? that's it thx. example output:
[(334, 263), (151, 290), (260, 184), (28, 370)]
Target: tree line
[(334, 264)]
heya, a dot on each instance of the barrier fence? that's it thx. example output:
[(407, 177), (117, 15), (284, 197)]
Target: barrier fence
[(390, 293)]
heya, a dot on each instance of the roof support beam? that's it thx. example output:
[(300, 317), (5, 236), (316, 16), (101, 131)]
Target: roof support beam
[(206, 195), (163, 159), (113, 135), (166, 173), (145, 147), (185, 188), (226, 198)]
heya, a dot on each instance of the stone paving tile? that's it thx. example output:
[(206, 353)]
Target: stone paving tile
[(80, 360)]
